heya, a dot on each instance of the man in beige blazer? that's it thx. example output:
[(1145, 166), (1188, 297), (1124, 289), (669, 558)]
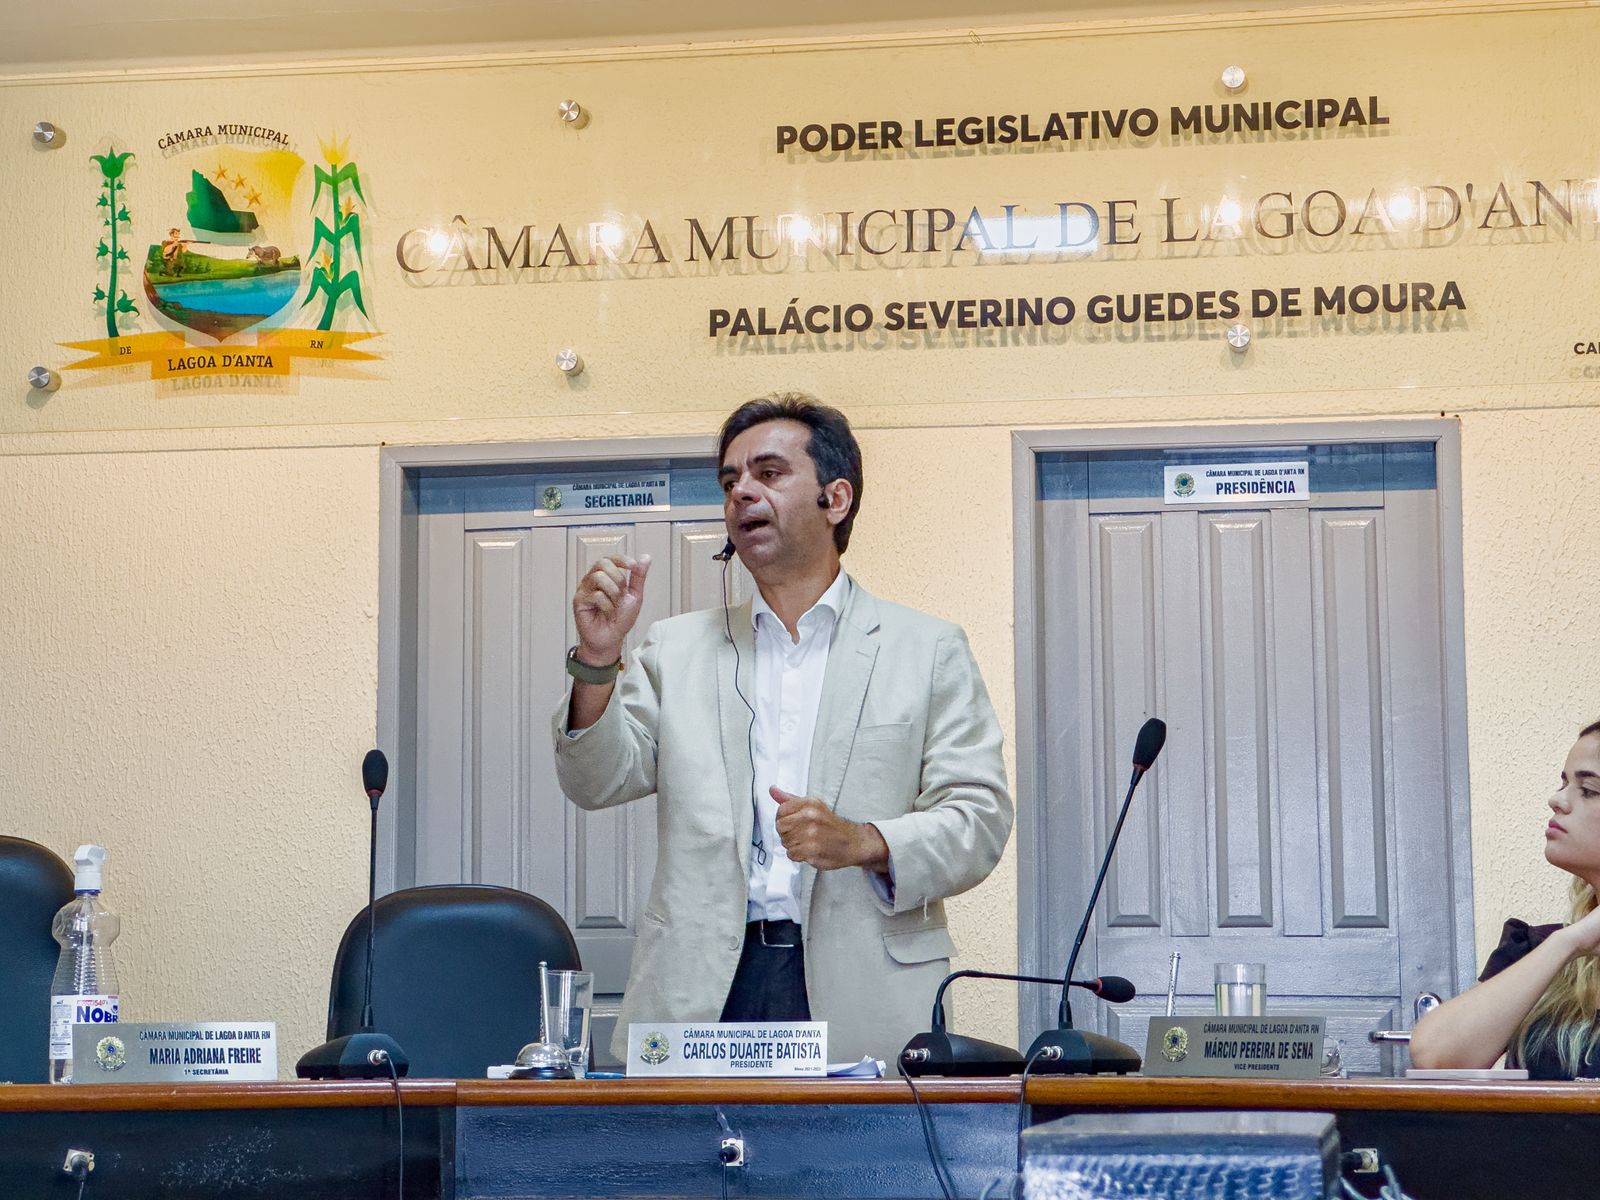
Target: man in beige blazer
[(794, 876)]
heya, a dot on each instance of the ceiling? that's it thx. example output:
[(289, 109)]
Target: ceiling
[(47, 36)]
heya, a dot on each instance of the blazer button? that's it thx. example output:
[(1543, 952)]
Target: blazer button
[(733, 943)]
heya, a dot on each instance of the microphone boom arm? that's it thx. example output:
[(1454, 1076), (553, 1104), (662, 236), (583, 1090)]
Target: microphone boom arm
[(1064, 1012), (938, 997)]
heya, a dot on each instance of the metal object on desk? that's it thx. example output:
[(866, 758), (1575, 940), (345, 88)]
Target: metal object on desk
[(543, 1059)]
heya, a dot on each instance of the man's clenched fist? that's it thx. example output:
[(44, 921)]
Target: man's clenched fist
[(813, 833)]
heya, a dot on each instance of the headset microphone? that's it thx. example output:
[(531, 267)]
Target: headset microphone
[(822, 499), (725, 553)]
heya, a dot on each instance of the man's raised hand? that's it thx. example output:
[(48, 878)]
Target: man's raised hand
[(606, 606)]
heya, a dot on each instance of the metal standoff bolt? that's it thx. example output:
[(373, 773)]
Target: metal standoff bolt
[(1238, 335), (569, 362), (1233, 78), (48, 136), (573, 115), (43, 379), (78, 1163)]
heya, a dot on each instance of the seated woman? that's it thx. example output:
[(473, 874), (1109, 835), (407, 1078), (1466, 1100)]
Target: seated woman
[(1538, 1002)]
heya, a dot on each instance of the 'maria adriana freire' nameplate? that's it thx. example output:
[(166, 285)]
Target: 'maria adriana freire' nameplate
[(173, 1052), (742, 1050), (1268, 1047)]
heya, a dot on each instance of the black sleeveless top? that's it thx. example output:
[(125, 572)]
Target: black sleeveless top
[(1517, 939)]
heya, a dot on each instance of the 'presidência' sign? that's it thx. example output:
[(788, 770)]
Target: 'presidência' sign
[(732, 1050), (1237, 483)]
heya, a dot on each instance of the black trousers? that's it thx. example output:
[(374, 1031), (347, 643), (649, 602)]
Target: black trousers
[(770, 983)]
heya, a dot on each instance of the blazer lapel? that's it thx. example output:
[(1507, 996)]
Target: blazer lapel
[(736, 671), (844, 691)]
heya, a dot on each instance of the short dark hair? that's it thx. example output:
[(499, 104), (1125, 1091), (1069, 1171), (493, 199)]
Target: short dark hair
[(833, 447)]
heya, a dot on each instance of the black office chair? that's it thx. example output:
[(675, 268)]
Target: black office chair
[(455, 974), (34, 884)]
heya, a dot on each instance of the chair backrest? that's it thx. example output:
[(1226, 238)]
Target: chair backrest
[(455, 974), (34, 884)]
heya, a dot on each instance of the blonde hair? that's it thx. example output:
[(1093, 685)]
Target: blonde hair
[(1564, 1017)]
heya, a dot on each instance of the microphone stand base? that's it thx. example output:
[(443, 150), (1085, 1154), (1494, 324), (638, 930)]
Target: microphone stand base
[(954, 1056), (363, 1055), (1081, 1052)]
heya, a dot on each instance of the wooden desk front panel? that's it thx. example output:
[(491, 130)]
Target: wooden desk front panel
[(475, 1140)]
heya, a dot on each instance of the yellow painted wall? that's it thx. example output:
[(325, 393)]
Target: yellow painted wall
[(190, 652)]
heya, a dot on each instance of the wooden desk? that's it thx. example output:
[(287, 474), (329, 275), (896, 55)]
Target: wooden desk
[(480, 1140)]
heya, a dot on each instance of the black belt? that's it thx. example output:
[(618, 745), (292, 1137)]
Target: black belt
[(773, 933)]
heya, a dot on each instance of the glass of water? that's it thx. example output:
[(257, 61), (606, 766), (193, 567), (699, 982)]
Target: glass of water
[(568, 998), (1241, 989)]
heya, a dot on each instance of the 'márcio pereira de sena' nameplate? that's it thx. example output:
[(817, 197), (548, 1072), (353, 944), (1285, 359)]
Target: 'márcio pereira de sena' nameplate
[(173, 1052), (1272, 1047), (742, 1050)]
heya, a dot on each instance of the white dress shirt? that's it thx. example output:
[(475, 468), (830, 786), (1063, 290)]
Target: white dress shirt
[(788, 692)]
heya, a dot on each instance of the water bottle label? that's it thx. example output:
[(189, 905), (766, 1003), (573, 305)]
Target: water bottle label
[(67, 1011)]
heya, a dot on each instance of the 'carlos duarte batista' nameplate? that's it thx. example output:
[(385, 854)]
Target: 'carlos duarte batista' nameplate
[(1266, 1047), (175, 1052), (735, 1049)]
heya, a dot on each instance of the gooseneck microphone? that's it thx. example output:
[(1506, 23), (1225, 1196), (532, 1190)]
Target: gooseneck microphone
[(365, 1054), (374, 779), (1112, 988), (375, 775), (1065, 1050), (1152, 736)]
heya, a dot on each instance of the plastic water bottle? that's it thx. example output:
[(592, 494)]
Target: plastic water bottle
[(84, 990)]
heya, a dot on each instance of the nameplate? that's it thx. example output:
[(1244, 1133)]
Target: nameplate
[(1268, 1047), (778, 1049), (175, 1052)]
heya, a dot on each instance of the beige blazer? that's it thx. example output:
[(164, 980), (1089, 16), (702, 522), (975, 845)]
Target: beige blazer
[(906, 738)]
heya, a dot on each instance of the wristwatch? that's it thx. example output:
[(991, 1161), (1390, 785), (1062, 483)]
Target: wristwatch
[(588, 673)]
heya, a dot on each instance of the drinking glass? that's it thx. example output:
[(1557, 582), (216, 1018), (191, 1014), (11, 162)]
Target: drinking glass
[(569, 995), (1241, 989)]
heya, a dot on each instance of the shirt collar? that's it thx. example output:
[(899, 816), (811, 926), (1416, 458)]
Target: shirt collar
[(833, 600)]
